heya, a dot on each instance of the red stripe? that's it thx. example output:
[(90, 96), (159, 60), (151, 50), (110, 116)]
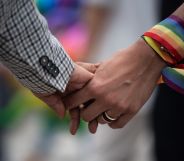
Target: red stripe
[(178, 19), (180, 66), (165, 44)]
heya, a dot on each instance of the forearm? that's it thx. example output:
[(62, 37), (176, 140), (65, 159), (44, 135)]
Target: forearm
[(95, 17), (25, 39), (154, 54)]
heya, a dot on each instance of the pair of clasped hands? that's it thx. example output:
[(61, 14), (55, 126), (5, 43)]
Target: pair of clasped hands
[(111, 92)]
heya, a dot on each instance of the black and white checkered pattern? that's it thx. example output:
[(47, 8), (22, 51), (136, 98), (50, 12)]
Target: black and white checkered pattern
[(24, 38)]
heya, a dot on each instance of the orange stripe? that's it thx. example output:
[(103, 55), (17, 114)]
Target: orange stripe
[(172, 50), (167, 38)]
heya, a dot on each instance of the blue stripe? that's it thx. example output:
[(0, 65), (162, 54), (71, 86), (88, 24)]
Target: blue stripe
[(174, 26), (173, 76)]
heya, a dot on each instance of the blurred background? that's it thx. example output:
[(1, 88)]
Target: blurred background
[(92, 30)]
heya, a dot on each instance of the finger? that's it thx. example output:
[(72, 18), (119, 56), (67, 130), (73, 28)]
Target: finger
[(121, 122), (88, 66), (74, 100), (101, 120), (92, 126), (79, 78), (112, 114), (55, 102), (80, 75), (93, 111), (60, 108), (86, 104), (73, 87), (105, 118), (75, 120)]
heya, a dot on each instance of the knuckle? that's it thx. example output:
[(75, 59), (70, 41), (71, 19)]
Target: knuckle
[(95, 88)]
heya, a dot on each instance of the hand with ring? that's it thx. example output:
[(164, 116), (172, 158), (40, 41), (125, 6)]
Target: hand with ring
[(120, 87)]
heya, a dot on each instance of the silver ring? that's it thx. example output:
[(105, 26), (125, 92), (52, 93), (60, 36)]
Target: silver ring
[(81, 106), (108, 118)]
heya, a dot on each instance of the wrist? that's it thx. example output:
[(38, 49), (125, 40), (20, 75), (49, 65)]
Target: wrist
[(144, 60), (148, 55), (141, 59)]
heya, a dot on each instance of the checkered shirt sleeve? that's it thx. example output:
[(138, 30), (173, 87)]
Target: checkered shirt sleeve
[(24, 39)]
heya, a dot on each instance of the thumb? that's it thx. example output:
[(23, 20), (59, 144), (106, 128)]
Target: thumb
[(81, 75), (88, 66), (79, 78)]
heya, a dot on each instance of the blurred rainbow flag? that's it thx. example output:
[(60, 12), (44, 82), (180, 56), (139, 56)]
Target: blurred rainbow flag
[(64, 18)]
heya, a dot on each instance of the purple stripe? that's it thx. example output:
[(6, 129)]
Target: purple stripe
[(173, 86), (178, 19)]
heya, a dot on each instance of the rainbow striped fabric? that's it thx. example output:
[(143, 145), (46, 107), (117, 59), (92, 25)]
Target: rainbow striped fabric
[(167, 40)]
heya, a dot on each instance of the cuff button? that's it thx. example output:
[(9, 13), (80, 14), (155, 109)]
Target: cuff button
[(44, 60), (49, 65), (52, 69), (55, 72)]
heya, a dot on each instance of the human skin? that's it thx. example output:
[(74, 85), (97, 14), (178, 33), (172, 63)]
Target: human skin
[(82, 73), (120, 86)]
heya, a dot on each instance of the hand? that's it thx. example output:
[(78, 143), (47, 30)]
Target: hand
[(75, 112), (121, 86), (79, 78)]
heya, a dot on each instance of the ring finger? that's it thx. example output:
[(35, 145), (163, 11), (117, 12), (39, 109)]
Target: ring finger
[(107, 117)]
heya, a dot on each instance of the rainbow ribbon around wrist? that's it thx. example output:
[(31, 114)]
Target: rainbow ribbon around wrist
[(167, 40)]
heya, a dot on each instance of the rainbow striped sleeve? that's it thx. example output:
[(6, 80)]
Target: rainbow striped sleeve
[(167, 40)]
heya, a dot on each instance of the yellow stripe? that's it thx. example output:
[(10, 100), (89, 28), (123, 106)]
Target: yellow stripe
[(156, 47), (181, 71), (170, 34), (169, 39)]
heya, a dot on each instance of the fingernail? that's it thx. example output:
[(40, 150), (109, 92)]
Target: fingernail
[(93, 129), (97, 65), (72, 128)]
